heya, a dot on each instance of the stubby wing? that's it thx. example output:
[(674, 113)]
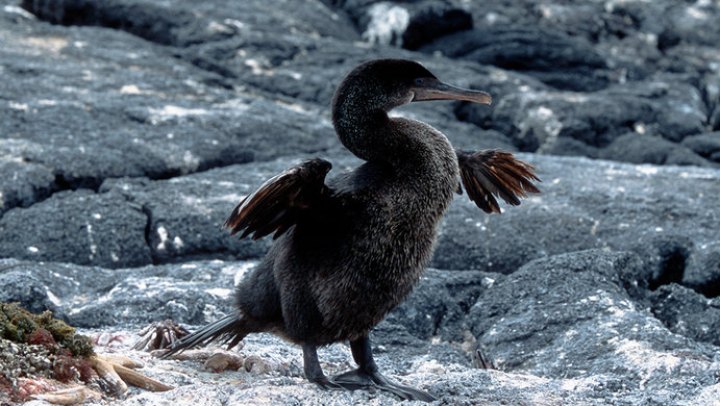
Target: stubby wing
[(489, 174), (278, 203)]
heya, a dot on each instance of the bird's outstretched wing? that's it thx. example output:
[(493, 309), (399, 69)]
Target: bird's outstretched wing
[(489, 174), (278, 203)]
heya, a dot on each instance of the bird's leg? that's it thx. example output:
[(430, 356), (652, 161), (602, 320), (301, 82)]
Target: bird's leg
[(367, 375), (313, 370)]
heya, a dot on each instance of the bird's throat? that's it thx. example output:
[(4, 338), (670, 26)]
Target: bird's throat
[(366, 135)]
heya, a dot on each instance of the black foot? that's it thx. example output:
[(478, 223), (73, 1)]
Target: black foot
[(327, 384), (358, 379), (353, 380)]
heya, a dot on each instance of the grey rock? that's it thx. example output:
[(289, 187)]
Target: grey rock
[(182, 218), (280, 60), (665, 258), (80, 227), (27, 290), (714, 120), (687, 313), (410, 24), (631, 18), (517, 320), (644, 148), (538, 327), (706, 145), (535, 120), (500, 84), (574, 18), (703, 271), (142, 121), (678, 282), (693, 23), (188, 23), (560, 322), (155, 23), (87, 297), (82, 134), (551, 56), (438, 306), (710, 85), (25, 183), (185, 215), (565, 146), (159, 293), (137, 221), (584, 204)]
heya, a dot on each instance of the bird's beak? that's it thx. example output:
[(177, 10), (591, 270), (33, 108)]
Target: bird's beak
[(433, 89)]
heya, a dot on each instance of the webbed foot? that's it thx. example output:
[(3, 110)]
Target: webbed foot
[(326, 384), (358, 379)]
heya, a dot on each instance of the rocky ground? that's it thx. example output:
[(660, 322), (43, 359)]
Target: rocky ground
[(130, 128)]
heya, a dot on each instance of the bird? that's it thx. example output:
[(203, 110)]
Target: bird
[(348, 250)]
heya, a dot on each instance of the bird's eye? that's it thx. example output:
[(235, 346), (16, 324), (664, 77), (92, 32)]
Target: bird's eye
[(418, 81)]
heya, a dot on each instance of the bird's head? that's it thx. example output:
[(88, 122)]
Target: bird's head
[(384, 84)]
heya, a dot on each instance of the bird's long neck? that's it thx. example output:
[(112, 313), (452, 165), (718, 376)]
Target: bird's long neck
[(363, 131), (415, 150), (372, 135)]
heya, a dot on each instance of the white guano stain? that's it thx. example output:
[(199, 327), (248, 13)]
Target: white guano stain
[(387, 24), (163, 235)]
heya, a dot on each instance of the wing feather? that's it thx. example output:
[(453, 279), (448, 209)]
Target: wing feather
[(278, 203), (489, 174)]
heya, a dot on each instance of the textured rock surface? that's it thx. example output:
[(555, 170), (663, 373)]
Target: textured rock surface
[(131, 128)]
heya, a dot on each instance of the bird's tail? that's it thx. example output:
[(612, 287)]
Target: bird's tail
[(229, 330)]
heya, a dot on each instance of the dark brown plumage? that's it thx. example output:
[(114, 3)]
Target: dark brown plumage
[(276, 204), (347, 251), (491, 173)]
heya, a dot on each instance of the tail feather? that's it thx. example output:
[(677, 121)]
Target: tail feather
[(228, 330)]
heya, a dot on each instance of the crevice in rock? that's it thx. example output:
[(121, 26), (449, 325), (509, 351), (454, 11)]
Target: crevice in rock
[(148, 229), (710, 289), (209, 65), (674, 279), (663, 261), (38, 194), (672, 269), (438, 320), (230, 156), (62, 183), (86, 182)]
